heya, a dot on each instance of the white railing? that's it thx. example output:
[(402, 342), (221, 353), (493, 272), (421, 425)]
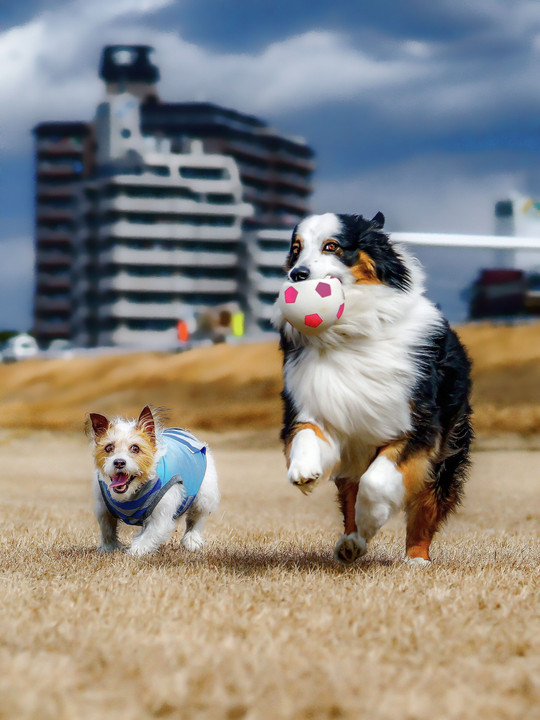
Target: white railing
[(489, 242)]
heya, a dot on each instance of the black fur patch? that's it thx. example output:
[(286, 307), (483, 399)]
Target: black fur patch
[(441, 415), (359, 234), (291, 353)]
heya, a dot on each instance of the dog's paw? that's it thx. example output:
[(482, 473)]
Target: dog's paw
[(105, 548), (304, 474), (416, 561), (349, 548), (139, 549), (192, 541)]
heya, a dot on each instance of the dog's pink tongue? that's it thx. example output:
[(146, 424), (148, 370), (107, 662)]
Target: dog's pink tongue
[(119, 480)]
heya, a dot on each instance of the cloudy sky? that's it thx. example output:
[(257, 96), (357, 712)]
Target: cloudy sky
[(428, 111)]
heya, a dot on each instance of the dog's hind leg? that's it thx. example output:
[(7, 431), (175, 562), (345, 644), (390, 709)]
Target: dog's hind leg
[(432, 495), (193, 539), (205, 503)]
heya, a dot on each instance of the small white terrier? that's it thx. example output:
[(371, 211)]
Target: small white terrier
[(150, 476)]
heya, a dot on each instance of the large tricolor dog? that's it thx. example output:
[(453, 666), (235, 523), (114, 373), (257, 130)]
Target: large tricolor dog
[(379, 401)]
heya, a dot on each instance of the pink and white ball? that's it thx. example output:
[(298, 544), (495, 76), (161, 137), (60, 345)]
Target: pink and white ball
[(312, 306)]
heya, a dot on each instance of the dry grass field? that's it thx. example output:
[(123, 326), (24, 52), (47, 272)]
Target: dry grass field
[(262, 624)]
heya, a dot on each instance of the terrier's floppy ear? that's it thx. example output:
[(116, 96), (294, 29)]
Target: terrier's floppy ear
[(377, 223), (146, 423), (100, 424)]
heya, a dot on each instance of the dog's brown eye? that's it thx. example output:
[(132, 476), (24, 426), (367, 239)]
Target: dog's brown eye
[(295, 250), (109, 448), (331, 247), (135, 449)]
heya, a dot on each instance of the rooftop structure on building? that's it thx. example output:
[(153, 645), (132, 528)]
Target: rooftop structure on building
[(154, 211)]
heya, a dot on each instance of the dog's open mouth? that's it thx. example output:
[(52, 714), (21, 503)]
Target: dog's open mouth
[(120, 482)]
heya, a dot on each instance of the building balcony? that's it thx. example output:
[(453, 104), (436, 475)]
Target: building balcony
[(167, 258), (255, 150), (45, 189), (53, 257), (249, 171), (168, 231), (67, 145), (123, 282), (44, 211), (146, 311), (293, 180), (52, 304), (53, 280), (269, 258), (48, 329), (173, 205), (43, 234), (48, 168), (289, 200), (252, 195), (289, 158), (266, 284)]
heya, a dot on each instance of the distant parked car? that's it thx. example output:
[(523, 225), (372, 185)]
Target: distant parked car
[(19, 347), (58, 348)]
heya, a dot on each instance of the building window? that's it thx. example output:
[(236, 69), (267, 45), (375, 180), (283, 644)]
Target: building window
[(204, 173), (220, 198), (160, 170), (272, 272)]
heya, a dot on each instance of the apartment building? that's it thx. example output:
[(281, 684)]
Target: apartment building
[(160, 243), (64, 156), (166, 202)]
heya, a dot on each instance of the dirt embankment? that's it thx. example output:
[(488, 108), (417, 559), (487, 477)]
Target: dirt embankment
[(237, 387)]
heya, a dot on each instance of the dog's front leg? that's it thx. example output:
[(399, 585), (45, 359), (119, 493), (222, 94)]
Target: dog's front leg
[(159, 527), (108, 524), (311, 456)]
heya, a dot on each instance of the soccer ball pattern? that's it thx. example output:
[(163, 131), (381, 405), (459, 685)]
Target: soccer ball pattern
[(312, 306)]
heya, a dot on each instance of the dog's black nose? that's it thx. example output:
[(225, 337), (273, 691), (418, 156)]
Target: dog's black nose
[(119, 463), (299, 273)]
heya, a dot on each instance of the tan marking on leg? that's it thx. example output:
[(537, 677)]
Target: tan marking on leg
[(347, 492), (420, 502), (422, 523), (308, 426), (296, 429)]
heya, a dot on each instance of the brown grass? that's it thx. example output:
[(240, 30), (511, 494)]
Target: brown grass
[(263, 624), (223, 387)]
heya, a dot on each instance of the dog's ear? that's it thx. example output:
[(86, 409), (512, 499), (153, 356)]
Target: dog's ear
[(100, 424), (146, 423), (377, 223)]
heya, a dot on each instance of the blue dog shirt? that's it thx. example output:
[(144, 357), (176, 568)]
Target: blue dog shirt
[(183, 462)]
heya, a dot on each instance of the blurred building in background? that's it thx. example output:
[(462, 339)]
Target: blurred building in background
[(64, 157), (155, 213)]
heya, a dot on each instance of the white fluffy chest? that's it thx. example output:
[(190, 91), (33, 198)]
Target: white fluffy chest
[(360, 390)]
